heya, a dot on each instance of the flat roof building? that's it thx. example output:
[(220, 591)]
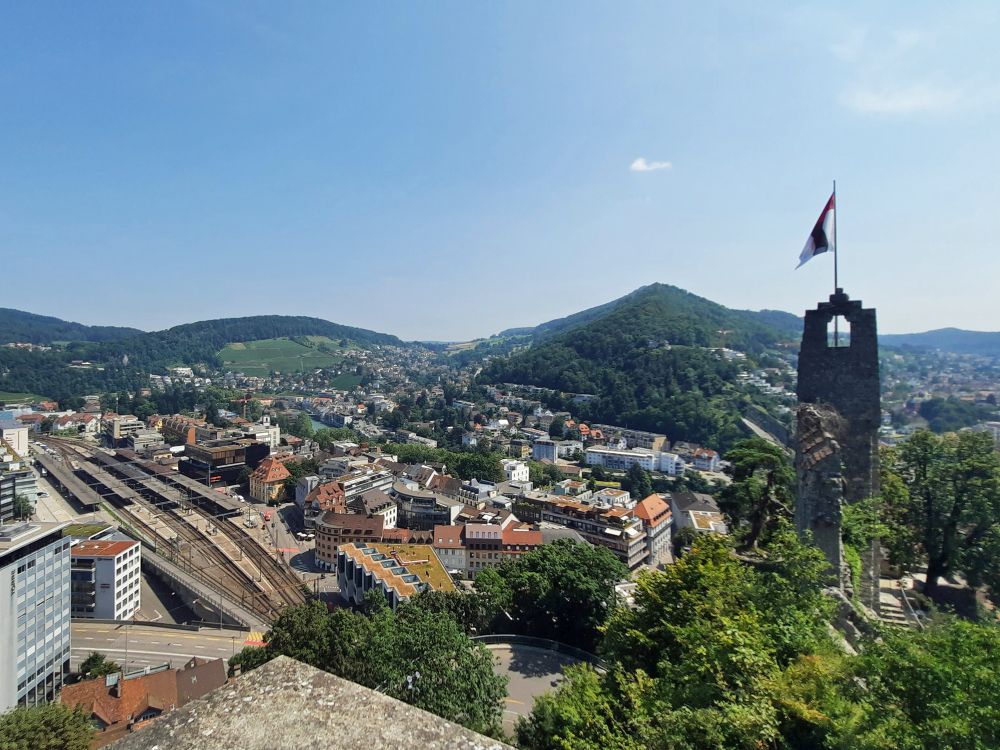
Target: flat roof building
[(34, 613)]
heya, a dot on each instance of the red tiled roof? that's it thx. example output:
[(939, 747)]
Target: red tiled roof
[(447, 537), (270, 471), (654, 510)]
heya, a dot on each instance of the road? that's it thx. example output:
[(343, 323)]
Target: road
[(150, 646), (531, 671)]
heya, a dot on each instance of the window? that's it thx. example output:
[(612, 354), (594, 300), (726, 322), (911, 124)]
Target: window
[(838, 332)]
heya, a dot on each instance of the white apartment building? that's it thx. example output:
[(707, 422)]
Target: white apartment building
[(106, 579), (515, 471), (623, 460), (34, 613)]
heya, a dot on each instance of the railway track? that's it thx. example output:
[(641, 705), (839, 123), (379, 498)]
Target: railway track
[(278, 588)]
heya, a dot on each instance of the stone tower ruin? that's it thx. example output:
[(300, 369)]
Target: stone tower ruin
[(837, 429)]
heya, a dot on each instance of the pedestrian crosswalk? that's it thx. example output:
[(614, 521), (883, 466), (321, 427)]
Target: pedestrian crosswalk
[(255, 638)]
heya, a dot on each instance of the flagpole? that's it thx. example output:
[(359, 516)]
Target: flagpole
[(836, 253), (836, 242)]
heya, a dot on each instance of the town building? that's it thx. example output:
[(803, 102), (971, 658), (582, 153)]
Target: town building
[(16, 479), (267, 482), (483, 546), (449, 545), (34, 612), (618, 529), (119, 704), (423, 509), (705, 459), (105, 578), (657, 520), (515, 471), (119, 427), (698, 511), (622, 459), (15, 435), (633, 438), (399, 571)]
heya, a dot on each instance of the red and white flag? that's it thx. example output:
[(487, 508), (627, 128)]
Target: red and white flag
[(823, 236)]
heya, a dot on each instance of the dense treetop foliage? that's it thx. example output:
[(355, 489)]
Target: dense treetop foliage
[(951, 414), (124, 364), (28, 328), (645, 358), (413, 654), (51, 726)]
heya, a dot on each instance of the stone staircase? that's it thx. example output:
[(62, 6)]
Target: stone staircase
[(892, 608)]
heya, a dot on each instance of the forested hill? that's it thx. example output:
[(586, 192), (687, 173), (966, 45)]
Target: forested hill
[(125, 364), (647, 360), (953, 340), (200, 342), (28, 328)]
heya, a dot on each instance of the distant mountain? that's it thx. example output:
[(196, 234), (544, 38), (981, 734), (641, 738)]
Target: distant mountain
[(28, 328), (646, 357), (125, 364), (947, 339)]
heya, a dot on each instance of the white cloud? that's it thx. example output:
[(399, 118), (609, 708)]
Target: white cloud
[(902, 101), (641, 165)]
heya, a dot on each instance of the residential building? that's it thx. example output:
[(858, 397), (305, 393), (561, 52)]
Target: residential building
[(657, 520), (15, 435), (34, 612), (334, 530), (698, 511), (119, 704), (449, 545), (622, 460), (483, 546), (303, 487), (119, 427), (705, 459), (399, 571), (105, 579), (618, 529), (518, 539), (545, 450), (423, 509), (612, 497), (515, 471), (267, 482), (670, 463), (16, 478), (376, 503), (633, 438)]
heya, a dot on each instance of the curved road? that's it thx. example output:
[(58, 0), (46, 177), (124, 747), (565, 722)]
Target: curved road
[(531, 672)]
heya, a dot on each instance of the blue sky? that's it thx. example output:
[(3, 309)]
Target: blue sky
[(446, 170)]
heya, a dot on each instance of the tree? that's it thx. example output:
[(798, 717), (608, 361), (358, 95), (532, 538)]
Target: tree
[(698, 661), (949, 502), (761, 487), (98, 665), (931, 689), (413, 654), (557, 428), (563, 591), (22, 507), (639, 484), (51, 726)]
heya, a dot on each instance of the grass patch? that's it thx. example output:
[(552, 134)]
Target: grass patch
[(12, 397), (284, 355), (84, 530)]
